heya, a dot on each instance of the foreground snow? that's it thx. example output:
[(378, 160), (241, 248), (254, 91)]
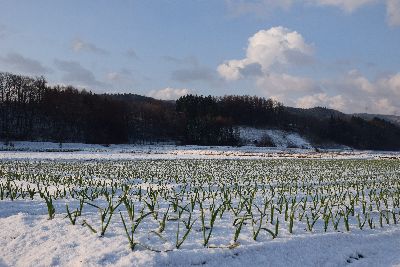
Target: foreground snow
[(28, 240)]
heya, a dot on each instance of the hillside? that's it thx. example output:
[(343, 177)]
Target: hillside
[(30, 110), (391, 118), (326, 113), (317, 112)]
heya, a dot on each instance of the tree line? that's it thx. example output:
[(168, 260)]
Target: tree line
[(32, 110)]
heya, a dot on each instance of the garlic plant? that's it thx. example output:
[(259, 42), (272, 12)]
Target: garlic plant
[(261, 199)]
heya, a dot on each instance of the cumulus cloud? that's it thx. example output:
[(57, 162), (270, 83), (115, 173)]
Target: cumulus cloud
[(355, 93), (270, 57), (270, 54), (386, 106), (75, 73), (356, 80), (283, 83), (367, 104), (322, 99), (79, 45), (391, 84), (169, 93), (273, 48), (286, 88), (393, 12), (17, 62)]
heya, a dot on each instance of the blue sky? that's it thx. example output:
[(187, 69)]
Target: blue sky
[(342, 54)]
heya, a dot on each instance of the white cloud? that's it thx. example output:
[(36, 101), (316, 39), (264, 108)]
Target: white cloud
[(230, 70), (386, 106), (337, 102), (391, 83), (354, 93), (169, 93), (393, 12), (346, 5), (356, 80), (310, 101), (378, 96), (269, 55), (286, 88), (273, 48), (282, 83), (78, 45)]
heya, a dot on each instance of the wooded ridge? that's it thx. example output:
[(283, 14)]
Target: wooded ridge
[(32, 110)]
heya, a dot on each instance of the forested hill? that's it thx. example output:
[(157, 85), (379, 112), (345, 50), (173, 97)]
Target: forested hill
[(32, 110)]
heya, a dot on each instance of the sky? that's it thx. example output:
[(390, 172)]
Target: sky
[(341, 54)]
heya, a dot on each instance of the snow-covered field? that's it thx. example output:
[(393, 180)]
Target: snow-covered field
[(75, 151), (32, 240), (207, 206)]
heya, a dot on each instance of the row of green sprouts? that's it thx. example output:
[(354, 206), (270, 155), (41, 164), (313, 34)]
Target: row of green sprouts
[(207, 200)]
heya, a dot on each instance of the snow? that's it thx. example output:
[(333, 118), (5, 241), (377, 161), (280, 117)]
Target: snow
[(77, 151), (28, 238), (279, 138)]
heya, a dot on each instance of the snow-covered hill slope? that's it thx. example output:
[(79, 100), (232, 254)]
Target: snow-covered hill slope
[(278, 138)]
